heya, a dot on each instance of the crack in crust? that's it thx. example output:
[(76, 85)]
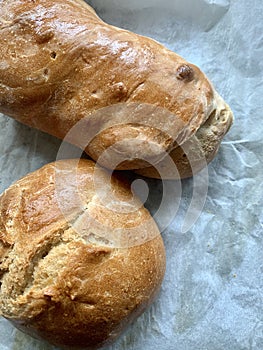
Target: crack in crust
[(51, 269)]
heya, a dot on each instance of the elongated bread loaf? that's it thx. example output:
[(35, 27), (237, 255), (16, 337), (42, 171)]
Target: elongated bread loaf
[(76, 267), (62, 67)]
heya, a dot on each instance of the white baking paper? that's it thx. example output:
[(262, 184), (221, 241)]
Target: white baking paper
[(212, 294)]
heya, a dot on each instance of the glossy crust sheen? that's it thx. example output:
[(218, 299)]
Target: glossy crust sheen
[(60, 279), (60, 63)]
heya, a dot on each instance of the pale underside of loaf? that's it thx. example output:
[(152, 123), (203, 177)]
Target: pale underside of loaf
[(195, 154)]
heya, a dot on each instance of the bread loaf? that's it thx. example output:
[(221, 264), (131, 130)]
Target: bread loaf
[(75, 268), (61, 64)]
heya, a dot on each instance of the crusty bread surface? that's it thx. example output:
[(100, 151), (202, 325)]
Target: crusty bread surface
[(195, 154), (61, 64), (76, 268)]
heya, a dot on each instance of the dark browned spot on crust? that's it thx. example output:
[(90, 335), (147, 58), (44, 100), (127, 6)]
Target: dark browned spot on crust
[(53, 55), (185, 72), (44, 37)]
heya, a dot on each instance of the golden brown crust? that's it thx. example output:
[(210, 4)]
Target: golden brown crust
[(191, 157), (61, 279), (61, 63)]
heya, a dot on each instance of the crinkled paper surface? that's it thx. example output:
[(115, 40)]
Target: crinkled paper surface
[(212, 295)]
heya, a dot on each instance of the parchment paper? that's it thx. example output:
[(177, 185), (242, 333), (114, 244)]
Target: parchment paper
[(211, 298)]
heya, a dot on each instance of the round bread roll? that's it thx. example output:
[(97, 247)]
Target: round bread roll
[(128, 98), (78, 263)]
